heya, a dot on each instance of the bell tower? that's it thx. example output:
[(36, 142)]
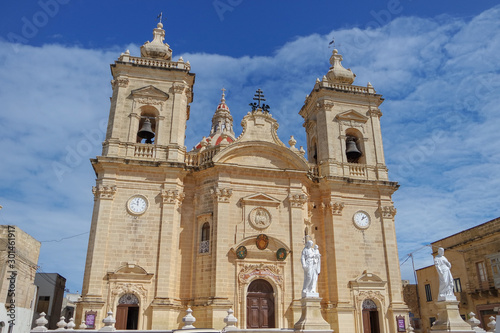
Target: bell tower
[(342, 123), (133, 242), (150, 103), (354, 210)]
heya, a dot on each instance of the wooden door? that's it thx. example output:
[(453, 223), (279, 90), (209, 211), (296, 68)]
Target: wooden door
[(121, 317), (260, 305), (370, 317)]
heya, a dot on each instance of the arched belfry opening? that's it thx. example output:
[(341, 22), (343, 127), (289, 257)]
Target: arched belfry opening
[(260, 305), (147, 129), (354, 146), (370, 317), (127, 312)]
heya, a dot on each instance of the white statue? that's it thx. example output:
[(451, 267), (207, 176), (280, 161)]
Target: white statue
[(445, 279), (311, 263)]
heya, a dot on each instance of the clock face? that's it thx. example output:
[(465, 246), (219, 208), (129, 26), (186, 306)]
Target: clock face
[(137, 205), (361, 220)]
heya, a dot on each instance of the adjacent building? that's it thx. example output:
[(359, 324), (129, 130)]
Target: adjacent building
[(19, 256), (223, 225), (50, 297), (475, 258)]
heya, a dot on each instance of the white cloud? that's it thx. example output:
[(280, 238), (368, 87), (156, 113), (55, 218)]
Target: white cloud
[(439, 76)]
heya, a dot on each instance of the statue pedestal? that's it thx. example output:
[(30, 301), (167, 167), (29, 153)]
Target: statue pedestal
[(311, 319), (449, 319)]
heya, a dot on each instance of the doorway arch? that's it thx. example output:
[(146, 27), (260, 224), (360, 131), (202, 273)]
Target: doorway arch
[(260, 305), (127, 312), (370, 317)]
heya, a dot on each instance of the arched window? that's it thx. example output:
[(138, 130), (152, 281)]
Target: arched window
[(205, 232), (205, 238)]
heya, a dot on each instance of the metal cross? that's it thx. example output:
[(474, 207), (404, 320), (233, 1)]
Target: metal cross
[(259, 96), (160, 16)]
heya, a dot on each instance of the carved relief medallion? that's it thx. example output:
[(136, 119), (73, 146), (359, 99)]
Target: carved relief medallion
[(260, 218)]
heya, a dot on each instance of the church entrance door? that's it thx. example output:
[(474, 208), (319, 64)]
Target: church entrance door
[(370, 317), (260, 305), (127, 312)]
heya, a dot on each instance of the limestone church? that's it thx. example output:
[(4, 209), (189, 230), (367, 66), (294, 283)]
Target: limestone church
[(223, 225)]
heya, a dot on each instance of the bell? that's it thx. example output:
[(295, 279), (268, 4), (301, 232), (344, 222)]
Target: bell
[(352, 150), (146, 132)]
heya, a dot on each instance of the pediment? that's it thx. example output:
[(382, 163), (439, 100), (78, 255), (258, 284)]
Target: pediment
[(368, 280), (260, 199), (262, 155), (352, 115), (150, 92)]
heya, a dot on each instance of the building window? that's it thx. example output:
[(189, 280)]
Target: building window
[(205, 238), (43, 304), (481, 273), (495, 268), (428, 294), (432, 320), (457, 285)]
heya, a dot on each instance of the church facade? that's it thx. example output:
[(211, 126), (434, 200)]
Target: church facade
[(223, 226)]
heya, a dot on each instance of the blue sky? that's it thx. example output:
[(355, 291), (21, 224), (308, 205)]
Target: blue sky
[(436, 63)]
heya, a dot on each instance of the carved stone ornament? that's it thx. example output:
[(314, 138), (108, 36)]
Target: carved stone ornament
[(120, 82), (221, 194), (325, 105), (336, 207), (297, 200), (388, 212), (104, 191), (370, 295), (260, 270), (149, 101), (119, 289), (172, 196), (260, 218)]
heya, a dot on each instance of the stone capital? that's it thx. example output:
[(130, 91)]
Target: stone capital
[(388, 212), (104, 191), (221, 194), (335, 207), (120, 82), (297, 200), (172, 196)]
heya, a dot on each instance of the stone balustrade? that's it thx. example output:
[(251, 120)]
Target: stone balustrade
[(155, 62)]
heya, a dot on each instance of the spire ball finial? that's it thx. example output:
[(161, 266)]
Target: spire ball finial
[(159, 25)]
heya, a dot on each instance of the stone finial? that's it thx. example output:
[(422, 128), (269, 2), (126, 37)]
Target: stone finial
[(188, 319), (337, 73), (302, 151), (410, 329), (156, 49), (292, 142), (82, 326), (71, 324), (40, 323), (474, 323), (61, 324), (230, 320), (109, 323), (492, 324)]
